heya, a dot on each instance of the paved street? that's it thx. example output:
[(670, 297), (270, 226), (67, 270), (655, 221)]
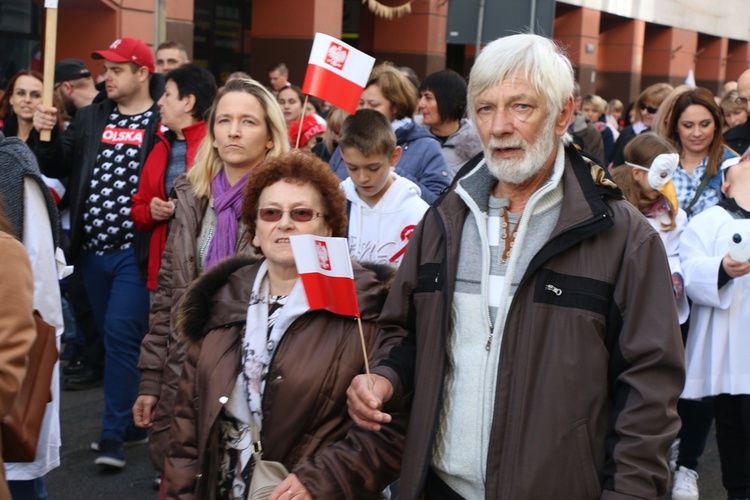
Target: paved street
[(78, 478)]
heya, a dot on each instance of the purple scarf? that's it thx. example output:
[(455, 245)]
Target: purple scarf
[(228, 208)]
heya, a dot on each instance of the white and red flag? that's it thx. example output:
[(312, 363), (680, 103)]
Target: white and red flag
[(325, 268), (337, 72)]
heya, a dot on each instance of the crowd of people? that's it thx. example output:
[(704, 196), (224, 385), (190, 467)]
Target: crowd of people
[(551, 285)]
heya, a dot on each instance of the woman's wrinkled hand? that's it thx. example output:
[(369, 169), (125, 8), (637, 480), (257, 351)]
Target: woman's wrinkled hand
[(291, 487)]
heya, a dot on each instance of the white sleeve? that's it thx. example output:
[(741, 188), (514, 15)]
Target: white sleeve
[(700, 263), (37, 238)]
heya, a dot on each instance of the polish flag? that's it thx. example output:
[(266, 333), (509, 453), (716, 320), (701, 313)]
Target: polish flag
[(337, 72), (325, 267)]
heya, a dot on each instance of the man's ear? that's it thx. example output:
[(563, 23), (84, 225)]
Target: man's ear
[(725, 187), (143, 73), (564, 118)]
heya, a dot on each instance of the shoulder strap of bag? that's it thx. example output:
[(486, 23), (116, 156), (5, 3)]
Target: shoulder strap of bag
[(255, 435), (698, 192)]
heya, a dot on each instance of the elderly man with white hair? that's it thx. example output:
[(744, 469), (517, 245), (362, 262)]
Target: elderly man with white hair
[(536, 344)]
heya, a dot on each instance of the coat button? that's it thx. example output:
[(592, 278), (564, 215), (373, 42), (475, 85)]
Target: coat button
[(278, 377), (223, 400)]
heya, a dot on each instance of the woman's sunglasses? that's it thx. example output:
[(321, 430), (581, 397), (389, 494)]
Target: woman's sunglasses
[(650, 110), (297, 214)]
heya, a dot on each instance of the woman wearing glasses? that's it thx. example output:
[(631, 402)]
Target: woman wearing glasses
[(258, 355), (245, 128), (645, 109)]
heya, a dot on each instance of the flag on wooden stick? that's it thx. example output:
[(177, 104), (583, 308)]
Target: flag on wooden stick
[(325, 268), (337, 72)]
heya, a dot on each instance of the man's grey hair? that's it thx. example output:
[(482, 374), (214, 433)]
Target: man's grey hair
[(543, 63)]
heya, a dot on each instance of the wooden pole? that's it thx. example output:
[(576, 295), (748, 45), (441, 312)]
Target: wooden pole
[(364, 353), (50, 46)]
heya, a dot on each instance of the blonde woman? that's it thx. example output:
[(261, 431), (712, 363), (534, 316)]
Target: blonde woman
[(644, 110), (245, 128)]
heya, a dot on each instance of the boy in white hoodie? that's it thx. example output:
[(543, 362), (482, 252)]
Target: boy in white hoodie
[(384, 208)]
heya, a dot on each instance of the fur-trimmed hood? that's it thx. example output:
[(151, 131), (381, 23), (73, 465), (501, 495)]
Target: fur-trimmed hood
[(220, 296)]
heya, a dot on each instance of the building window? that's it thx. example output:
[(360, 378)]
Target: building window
[(221, 36)]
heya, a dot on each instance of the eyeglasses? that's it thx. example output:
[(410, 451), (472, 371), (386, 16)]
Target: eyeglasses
[(297, 214), (741, 101), (651, 110)]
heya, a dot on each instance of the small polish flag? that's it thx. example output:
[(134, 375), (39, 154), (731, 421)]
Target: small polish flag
[(325, 267), (337, 72)]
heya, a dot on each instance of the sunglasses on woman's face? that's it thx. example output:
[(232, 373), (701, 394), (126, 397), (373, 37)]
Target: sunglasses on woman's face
[(297, 214), (651, 110)]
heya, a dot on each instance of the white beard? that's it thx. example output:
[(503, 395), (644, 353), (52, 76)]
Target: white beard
[(519, 170)]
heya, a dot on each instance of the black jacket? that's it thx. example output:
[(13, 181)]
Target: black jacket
[(738, 138), (73, 154)]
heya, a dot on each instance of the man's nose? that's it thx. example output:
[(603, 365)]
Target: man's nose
[(502, 123)]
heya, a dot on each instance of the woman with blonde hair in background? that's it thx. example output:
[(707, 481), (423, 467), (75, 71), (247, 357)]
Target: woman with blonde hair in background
[(735, 113), (245, 128), (644, 110)]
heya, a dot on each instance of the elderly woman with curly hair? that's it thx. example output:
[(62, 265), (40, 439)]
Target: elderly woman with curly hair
[(256, 350)]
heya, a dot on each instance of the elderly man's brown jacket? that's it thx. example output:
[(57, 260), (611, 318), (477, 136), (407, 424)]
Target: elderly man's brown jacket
[(591, 364)]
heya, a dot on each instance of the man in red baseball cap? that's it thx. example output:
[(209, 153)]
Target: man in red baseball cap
[(125, 50), (103, 151)]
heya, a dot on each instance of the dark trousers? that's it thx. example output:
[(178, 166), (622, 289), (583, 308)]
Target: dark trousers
[(32, 489), (436, 489), (733, 439), (89, 345), (697, 416)]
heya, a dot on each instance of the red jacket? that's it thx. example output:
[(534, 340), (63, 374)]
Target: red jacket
[(152, 185)]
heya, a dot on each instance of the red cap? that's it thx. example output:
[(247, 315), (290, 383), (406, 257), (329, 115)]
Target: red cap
[(310, 128), (125, 50)]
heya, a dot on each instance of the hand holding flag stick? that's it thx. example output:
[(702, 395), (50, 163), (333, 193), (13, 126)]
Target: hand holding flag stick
[(325, 268), (50, 46)]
